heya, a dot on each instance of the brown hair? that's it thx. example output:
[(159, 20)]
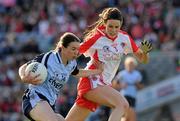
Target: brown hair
[(66, 39), (108, 13)]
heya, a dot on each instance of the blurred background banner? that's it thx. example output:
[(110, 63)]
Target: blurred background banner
[(156, 95)]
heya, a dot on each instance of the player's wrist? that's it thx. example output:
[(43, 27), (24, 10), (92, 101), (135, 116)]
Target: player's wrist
[(97, 71)]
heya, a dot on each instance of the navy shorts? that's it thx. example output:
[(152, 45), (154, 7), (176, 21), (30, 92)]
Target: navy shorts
[(29, 101), (131, 101)]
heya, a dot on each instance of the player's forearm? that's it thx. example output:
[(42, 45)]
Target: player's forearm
[(142, 57), (143, 51), (86, 73)]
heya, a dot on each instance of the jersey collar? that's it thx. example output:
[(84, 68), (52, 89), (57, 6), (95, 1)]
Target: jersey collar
[(58, 57), (101, 30)]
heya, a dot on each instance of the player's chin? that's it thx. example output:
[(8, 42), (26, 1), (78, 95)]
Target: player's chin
[(113, 34), (74, 57)]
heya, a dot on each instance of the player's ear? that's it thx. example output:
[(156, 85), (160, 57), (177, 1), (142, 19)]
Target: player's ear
[(62, 47)]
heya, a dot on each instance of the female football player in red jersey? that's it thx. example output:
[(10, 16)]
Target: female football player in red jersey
[(105, 43)]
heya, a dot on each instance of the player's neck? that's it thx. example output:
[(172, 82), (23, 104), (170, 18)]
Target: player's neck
[(64, 59)]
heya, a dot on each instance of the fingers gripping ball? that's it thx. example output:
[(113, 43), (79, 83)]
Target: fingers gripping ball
[(146, 46), (35, 69)]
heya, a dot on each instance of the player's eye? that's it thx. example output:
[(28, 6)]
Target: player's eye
[(73, 48), (110, 26)]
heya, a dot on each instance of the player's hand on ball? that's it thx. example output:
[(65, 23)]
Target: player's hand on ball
[(31, 79), (34, 73), (146, 46)]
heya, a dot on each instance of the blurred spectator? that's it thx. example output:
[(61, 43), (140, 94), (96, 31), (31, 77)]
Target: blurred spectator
[(127, 82), (30, 47)]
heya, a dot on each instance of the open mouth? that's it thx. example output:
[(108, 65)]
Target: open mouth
[(112, 34)]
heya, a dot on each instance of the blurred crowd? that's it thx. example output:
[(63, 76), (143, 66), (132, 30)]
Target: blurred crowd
[(30, 27)]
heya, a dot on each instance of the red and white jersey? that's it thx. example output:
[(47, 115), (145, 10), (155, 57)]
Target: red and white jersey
[(108, 50)]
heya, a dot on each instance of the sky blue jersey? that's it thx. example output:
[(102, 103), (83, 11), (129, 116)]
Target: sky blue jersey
[(58, 75)]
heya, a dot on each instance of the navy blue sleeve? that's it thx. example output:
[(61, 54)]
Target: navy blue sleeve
[(38, 58), (76, 71)]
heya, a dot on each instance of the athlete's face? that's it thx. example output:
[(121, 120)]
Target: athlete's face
[(72, 50), (112, 27), (130, 66)]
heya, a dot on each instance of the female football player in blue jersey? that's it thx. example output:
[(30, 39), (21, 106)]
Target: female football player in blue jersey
[(39, 99)]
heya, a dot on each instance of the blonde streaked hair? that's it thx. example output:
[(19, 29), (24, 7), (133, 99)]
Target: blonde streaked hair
[(130, 59)]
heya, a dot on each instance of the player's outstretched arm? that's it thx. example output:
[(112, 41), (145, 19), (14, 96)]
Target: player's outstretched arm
[(89, 72), (142, 54)]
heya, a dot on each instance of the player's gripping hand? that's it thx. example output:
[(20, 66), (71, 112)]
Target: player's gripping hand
[(28, 78), (146, 46)]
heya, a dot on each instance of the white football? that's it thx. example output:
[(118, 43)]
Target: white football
[(36, 68)]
